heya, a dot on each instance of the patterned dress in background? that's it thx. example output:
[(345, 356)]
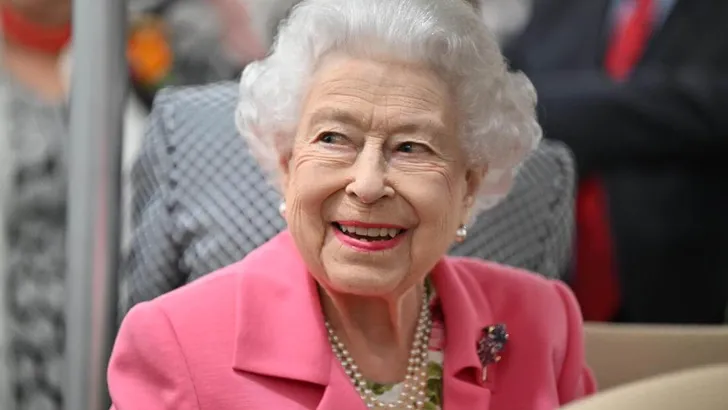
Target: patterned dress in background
[(35, 221)]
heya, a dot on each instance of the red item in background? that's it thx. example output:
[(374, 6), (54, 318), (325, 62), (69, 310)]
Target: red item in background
[(596, 283), (28, 34), (630, 39)]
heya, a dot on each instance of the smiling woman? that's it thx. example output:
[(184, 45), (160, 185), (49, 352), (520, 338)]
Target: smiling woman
[(394, 161), (386, 126)]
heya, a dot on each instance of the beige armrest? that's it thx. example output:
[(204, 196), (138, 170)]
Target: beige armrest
[(703, 388), (620, 353)]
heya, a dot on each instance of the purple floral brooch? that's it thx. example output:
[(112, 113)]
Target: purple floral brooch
[(491, 345)]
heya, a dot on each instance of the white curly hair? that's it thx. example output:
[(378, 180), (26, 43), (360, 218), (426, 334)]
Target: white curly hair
[(499, 124)]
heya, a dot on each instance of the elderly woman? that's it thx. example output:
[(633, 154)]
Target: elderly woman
[(388, 126)]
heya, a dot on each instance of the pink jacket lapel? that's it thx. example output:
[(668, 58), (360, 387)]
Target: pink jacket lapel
[(279, 323), (280, 330)]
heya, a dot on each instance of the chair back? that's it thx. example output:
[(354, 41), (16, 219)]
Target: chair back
[(623, 353), (703, 388)]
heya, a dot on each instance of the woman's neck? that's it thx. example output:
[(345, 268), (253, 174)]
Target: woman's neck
[(39, 73), (377, 332)]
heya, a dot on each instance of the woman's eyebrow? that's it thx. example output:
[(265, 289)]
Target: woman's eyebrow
[(336, 114), (404, 124)]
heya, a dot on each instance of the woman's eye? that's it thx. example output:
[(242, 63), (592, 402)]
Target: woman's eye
[(412, 148), (330, 138)]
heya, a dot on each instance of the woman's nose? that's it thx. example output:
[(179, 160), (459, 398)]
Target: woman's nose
[(369, 182)]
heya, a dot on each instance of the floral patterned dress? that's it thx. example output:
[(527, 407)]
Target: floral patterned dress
[(389, 393)]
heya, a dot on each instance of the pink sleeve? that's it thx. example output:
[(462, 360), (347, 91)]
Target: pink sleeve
[(148, 369), (575, 380)]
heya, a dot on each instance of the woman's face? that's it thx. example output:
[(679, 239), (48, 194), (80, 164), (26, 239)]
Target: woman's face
[(376, 184)]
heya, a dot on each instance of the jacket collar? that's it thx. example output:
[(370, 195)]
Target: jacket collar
[(279, 326), (280, 332)]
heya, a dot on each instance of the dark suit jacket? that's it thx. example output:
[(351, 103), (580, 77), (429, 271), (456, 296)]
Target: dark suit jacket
[(658, 141)]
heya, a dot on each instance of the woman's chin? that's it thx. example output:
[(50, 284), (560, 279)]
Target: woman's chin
[(363, 281)]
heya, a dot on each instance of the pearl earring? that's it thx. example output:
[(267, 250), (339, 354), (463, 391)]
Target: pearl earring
[(282, 208), (461, 234)]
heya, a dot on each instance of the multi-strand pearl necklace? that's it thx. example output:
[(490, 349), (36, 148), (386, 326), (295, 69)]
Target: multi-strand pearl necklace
[(414, 390)]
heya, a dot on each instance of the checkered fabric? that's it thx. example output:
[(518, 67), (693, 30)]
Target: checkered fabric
[(32, 277), (201, 201)]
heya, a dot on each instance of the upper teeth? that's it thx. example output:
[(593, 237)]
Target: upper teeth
[(373, 232)]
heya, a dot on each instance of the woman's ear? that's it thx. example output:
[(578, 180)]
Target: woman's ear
[(474, 179), (284, 162)]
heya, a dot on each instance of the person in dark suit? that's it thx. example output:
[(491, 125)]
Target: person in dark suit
[(638, 90)]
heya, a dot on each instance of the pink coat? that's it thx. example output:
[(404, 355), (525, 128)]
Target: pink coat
[(251, 337)]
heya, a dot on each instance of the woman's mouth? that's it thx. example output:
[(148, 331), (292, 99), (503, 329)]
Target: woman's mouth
[(368, 237), (373, 233)]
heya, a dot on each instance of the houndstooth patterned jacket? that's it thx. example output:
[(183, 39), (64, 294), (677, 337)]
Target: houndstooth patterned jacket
[(201, 202)]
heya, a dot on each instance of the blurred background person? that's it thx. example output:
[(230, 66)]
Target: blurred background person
[(238, 31), (638, 90), (176, 43), (34, 86), (194, 42), (35, 133)]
